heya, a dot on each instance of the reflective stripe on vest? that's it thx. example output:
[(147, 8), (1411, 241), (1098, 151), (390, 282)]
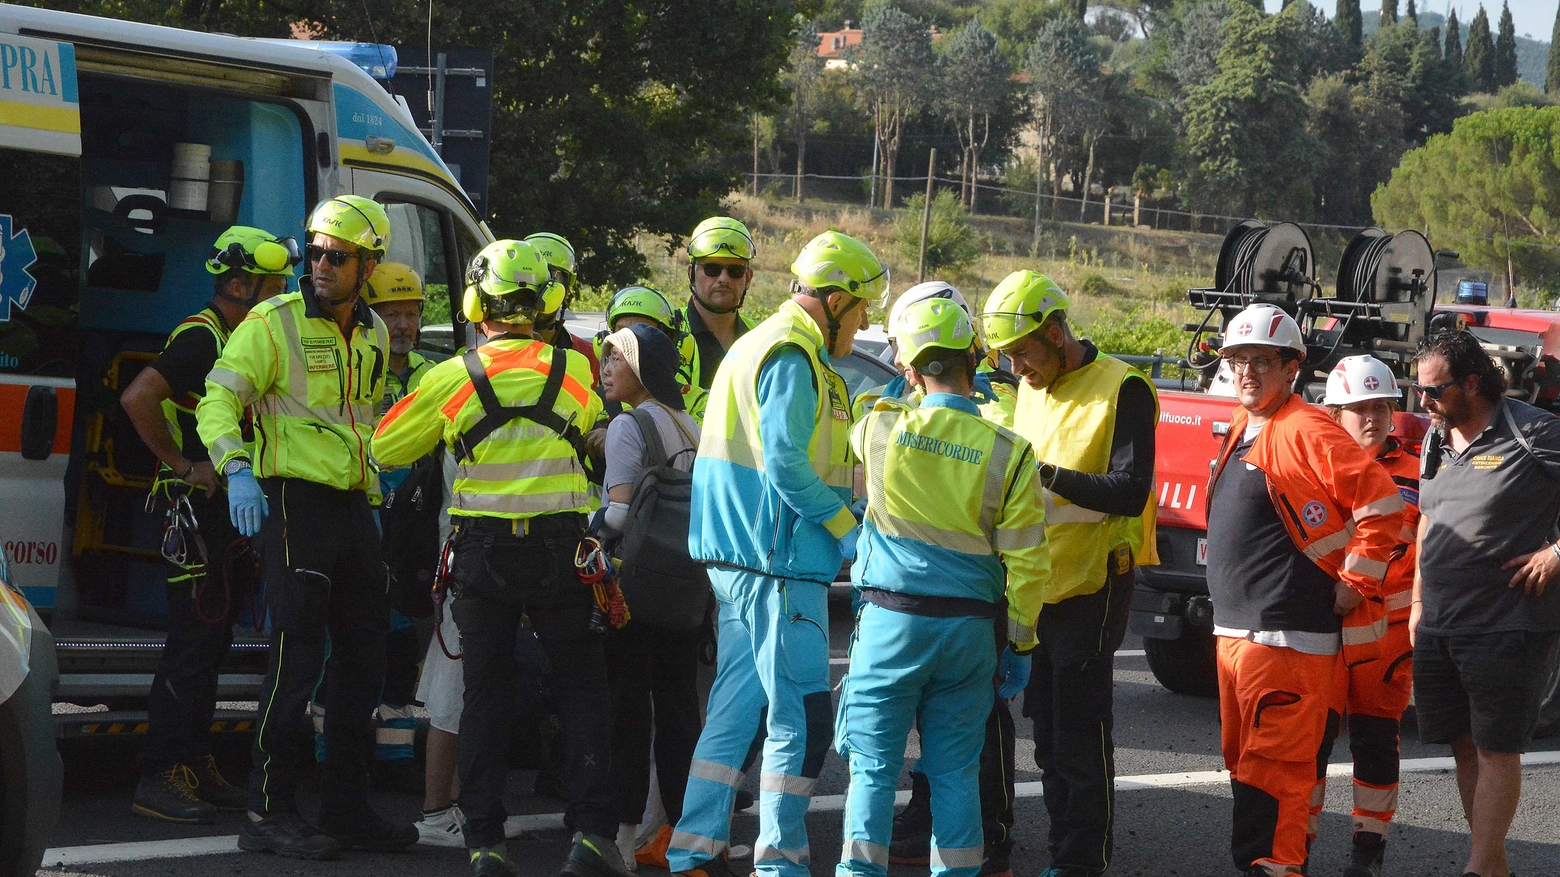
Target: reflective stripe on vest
[(172, 408)]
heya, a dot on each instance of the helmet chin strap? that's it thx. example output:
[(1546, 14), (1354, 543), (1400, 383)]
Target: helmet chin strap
[(832, 317)]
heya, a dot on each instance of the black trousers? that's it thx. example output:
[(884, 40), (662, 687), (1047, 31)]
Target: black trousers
[(1070, 700), (203, 604), (500, 576), (324, 582), (653, 673)]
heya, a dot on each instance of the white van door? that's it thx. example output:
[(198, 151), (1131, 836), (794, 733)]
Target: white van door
[(40, 246)]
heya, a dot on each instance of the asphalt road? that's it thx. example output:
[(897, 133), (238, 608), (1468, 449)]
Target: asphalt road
[(1174, 809)]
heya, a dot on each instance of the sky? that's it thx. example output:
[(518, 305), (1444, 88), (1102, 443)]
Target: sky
[(1535, 18)]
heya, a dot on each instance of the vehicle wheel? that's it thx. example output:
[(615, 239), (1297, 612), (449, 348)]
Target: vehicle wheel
[(29, 762), (1185, 665), (1549, 709)]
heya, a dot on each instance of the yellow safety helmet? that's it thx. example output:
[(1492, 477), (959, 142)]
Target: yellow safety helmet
[(933, 323), (1017, 307), (833, 260), (354, 219), (509, 282), (393, 281), (255, 251), (721, 237), (642, 301), (558, 253)]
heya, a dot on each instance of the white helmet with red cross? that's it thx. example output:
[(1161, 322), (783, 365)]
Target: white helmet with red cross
[(1359, 379), (1263, 325)]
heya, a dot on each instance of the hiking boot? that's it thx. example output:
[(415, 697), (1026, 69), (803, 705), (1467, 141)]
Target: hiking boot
[(491, 862), (370, 831), (997, 862), (170, 795), (214, 789), (286, 834), (716, 867), (442, 828), (653, 853), (1365, 858), (594, 856), (911, 843)]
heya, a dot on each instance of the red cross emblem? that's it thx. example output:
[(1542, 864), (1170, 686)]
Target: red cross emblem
[(1371, 382), (1314, 513)]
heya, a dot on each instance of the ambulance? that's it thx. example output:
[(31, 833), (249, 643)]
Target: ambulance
[(125, 149)]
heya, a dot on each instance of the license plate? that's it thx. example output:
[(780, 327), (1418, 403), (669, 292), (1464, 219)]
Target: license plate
[(1202, 552)]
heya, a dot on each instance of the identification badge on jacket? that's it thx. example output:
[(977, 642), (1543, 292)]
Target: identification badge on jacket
[(319, 355)]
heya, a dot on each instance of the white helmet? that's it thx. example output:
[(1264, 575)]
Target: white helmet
[(1264, 325), (922, 292), (1360, 378)]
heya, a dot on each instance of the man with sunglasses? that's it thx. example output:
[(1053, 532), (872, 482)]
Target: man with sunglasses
[(312, 366), (179, 777), (720, 270), (1090, 419), (1302, 524), (1485, 615)]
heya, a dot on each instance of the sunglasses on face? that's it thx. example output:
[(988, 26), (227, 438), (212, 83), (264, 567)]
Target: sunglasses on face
[(336, 258), (1433, 392), (715, 269)]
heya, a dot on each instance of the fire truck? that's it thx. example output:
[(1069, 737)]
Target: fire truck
[(1387, 296)]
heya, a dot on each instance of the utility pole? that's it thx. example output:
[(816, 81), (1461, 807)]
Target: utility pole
[(755, 153), (926, 214)]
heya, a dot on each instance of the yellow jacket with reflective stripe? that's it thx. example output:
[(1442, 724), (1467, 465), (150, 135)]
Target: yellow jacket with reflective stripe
[(315, 393), (206, 320), (1071, 425), (521, 470), (954, 509)]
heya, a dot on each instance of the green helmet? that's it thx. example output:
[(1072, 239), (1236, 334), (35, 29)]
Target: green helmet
[(354, 219), (642, 301), (838, 261), (509, 281), (558, 253), (721, 237), (933, 322), (1018, 306), (254, 250)]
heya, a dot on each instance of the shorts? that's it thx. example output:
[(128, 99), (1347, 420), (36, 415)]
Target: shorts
[(442, 688), (1489, 685)]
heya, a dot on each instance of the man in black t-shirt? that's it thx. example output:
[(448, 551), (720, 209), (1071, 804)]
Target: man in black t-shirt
[(1485, 617), (180, 781)]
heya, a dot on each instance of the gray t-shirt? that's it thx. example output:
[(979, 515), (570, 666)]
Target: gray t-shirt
[(1490, 503), (626, 446)]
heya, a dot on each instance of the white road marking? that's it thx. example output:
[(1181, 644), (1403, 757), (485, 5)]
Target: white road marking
[(206, 846)]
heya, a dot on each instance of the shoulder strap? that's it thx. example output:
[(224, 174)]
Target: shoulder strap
[(496, 416), (1511, 421), (655, 449)]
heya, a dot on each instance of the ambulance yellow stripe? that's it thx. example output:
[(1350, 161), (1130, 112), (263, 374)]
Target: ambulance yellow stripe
[(19, 115)]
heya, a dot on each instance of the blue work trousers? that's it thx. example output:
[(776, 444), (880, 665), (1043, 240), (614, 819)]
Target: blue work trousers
[(936, 673), (773, 649)]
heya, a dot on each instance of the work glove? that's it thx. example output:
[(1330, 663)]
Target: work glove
[(848, 543), (1013, 670), (859, 509), (246, 502)]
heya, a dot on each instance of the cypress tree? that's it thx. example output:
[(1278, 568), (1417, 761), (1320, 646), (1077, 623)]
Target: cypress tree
[(1479, 55), (1412, 13), (1552, 77), (1078, 8), (1346, 18), (1505, 49), (1454, 50), (1388, 12)]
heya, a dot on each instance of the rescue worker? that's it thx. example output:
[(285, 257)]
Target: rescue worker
[(1090, 419), (563, 267), (771, 516), (953, 540), (509, 411), (312, 365), (179, 777), (396, 294), (1362, 394), (633, 305), (720, 271), (1302, 523)]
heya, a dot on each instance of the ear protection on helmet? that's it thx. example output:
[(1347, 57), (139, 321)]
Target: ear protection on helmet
[(471, 305)]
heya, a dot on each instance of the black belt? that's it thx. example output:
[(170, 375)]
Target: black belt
[(932, 607)]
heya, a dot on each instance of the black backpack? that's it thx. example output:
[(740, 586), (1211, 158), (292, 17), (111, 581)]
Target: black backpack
[(661, 583), (409, 517)]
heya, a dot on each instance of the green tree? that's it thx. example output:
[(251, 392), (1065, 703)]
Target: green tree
[(804, 72), (1505, 49), (1490, 188), (1076, 8), (1408, 63), (1388, 12), (1453, 52), (1017, 23), (951, 244), (894, 62), (1347, 20), (1552, 79), (1360, 127), (1479, 56), (1069, 90), (1411, 14), (974, 84)]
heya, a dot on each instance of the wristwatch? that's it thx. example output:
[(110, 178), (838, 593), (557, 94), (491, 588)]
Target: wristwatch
[(235, 466), (1047, 475)]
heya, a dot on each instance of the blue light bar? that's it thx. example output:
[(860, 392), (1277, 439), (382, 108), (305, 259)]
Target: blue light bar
[(378, 61)]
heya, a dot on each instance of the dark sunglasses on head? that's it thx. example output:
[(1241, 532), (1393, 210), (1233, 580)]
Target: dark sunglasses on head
[(715, 269), (336, 258), (1434, 391)]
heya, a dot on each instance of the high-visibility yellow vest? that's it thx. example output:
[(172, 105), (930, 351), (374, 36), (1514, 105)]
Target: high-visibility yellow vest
[(315, 393), (523, 469), (397, 389), (179, 411), (1071, 425)]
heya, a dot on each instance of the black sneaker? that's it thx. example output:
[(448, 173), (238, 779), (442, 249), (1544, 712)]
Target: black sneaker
[(743, 801), (997, 862), (171, 796), (911, 843), (370, 831), (1365, 858), (214, 789), (491, 862), (286, 834), (594, 856)]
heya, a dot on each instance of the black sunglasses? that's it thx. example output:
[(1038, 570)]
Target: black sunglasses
[(1434, 391), (336, 258), (715, 269)]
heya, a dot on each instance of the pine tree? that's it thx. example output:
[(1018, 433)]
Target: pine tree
[(1479, 56), (1346, 19), (1454, 50), (1505, 49), (1412, 13), (1388, 12), (1552, 79)]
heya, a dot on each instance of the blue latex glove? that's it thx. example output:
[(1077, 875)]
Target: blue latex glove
[(1013, 670), (246, 502), (859, 509), (848, 543)]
